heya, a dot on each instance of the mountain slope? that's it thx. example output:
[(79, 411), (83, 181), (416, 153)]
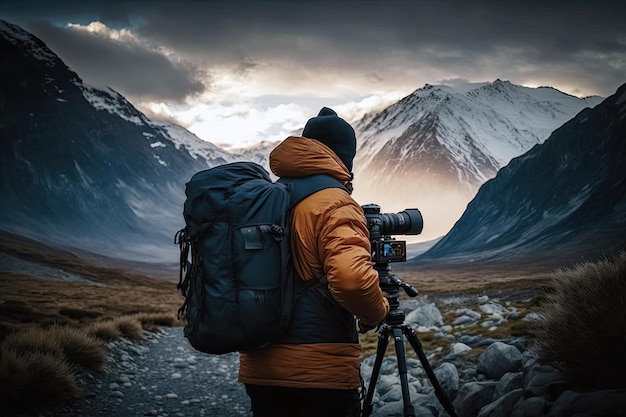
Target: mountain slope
[(563, 198), (81, 166), (434, 148)]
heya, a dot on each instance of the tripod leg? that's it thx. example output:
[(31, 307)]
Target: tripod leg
[(402, 370), (439, 392), (381, 348)]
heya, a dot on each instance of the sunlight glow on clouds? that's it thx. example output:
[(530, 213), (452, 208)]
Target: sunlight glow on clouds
[(102, 30), (238, 79), (229, 113)]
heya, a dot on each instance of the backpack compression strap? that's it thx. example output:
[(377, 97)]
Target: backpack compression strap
[(302, 187)]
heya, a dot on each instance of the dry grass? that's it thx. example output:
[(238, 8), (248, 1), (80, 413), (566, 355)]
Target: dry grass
[(430, 279), (69, 343), (50, 329), (584, 327), (38, 364), (33, 379)]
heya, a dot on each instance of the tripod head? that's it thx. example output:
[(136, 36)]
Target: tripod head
[(390, 284)]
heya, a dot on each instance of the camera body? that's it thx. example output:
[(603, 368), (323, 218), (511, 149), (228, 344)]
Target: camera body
[(381, 226)]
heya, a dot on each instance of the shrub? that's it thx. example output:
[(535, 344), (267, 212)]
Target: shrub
[(152, 321), (80, 347), (583, 329), (68, 343), (130, 327), (107, 331), (32, 339), (21, 372)]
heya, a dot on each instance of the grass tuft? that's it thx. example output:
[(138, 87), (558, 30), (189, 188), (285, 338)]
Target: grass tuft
[(130, 327), (583, 330), (38, 364), (33, 379), (81, 348), (31, 339), (107, 331)]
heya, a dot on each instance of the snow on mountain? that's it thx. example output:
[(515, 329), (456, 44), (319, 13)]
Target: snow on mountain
[(259, 153), (114, 103), (434, 148), (197, 148), (564, 199)]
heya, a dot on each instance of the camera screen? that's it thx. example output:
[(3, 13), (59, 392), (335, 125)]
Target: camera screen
[(391, 251)]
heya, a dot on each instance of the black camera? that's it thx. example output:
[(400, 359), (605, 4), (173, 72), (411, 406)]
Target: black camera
[(381, 226)]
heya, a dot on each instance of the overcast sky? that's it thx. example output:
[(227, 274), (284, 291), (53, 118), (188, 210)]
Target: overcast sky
[(237, 72)]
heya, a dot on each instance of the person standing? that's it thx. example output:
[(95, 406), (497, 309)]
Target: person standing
[(314, 369)]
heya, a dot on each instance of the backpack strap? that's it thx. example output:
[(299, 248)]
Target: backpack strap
[(302, 187)]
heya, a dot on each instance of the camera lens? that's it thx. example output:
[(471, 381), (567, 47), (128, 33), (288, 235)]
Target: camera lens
[(407, 222)]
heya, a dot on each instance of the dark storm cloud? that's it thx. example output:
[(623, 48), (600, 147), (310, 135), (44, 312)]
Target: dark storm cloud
[(127, 67), (575, 42), (584, 42)]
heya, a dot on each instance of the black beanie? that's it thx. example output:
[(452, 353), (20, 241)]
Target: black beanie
[(333, 132)]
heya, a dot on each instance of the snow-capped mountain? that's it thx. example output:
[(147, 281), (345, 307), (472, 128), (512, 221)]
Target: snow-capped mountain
[(563, 199), (81, 167), (259, 153), (434, 148)]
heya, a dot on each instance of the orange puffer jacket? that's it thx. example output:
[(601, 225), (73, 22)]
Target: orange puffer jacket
[(329, 238)]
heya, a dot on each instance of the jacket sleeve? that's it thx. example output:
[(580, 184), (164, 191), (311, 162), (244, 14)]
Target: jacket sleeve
[(346, 254)]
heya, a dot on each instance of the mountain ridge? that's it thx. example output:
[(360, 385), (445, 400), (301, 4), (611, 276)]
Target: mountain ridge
[(435, 147), (579, 212), (82, 166)]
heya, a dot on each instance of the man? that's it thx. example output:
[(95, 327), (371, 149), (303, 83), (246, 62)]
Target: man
[(314, 369)]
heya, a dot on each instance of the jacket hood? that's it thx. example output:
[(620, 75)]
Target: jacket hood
[(300, 157)]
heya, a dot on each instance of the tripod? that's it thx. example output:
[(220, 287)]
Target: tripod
[(394, 325)]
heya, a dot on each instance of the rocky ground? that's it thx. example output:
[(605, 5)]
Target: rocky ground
[(476, 341), (480, 375)]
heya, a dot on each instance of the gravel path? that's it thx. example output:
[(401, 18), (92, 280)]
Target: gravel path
[(162, 376)]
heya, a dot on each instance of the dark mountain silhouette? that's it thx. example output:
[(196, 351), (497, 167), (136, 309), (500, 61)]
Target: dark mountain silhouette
[(565, 198), (82, 167)]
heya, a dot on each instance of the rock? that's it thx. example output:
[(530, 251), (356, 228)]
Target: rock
[(493, 308), (532, 317), (473, 396), (509, 382), (503, 406), (448, 378), (482, 299), (427, 315), (539, 379), (463, 320), (498, 359), (531, 407), (457, 351), (396, 409), (595, 403), (470, 340)]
